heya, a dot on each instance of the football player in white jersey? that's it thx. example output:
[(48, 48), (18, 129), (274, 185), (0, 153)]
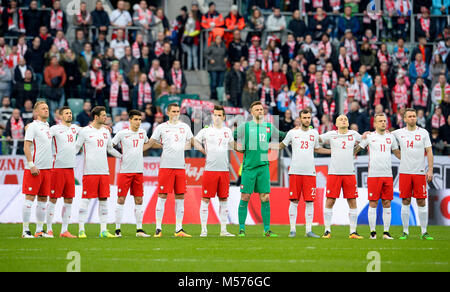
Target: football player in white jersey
[(302, 171), (341, 174), (131, 174), (380, 183), (95, 140), (414, 142), (38, 170), (176, 137), (217, 140), (63, 178)]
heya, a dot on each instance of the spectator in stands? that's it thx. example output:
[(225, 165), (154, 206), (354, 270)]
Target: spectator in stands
[(162, 88), (328, 106), (145, 61), (359, 117), (347, 21), (423, 49), (176, 77), (120, 18), (27, 112), (445, 105), (420, 96), (237, 49), (58, 19), (13, 20), (379, 95), (441, 8), (15, 129), (400, 95), (79, 42), (119, 43), (196, 10), (424, 25), (156, 73), (71, 67), (167, 58), (297, 26), (144, 18), (436, 68), (418, 68), (120, 122), (138, 45), (286, 121), (256, 24), (127, 62), (158, 25), (55, 78), (249, 94), (83, 19), (190, 40), (100, 19), (341, 96), (214, 21), (320, 24), (25, 89), (34, 57), (234, 21), (277, 78), (216, 58), (96, 84), (33, 19), (100, 45), (119, 99), (5, 111), (84, 117), (143, 93), (400, 54), (445, 135), (4, 48), (19, 71), (267, 94), (132, 78), (5, 79), (290, 48), (440, 90), (234, 85), (60, 41), (46, 38), (275, 23)]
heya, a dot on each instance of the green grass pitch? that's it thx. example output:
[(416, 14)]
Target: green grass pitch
[(253, 253)]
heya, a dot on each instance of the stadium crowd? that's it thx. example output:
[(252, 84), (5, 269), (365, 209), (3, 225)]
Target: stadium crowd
[(332, 63)]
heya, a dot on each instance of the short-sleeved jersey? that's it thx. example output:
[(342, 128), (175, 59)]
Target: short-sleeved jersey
[(95, 143), (216, 143), (255, 139), (132, 144), (412, 145), (41, 150), (342, 146), (63, 145), (303, 145), (380, 147), (173, 138)]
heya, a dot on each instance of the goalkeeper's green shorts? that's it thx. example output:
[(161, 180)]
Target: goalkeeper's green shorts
[(256, 180)]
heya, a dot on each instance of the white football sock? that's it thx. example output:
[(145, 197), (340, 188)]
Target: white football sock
[(83, 213), (179, 214), (309, 215), (386, 219), (423, 217), (103, 214), (353, 216), (405, 217), (223, 215), (26, 214), (203, 215), (372, 214), (293, 215), (327, 215), (139, 215), (66, 212), (50, 215), (40, 215), (119, 215), (159, 212)]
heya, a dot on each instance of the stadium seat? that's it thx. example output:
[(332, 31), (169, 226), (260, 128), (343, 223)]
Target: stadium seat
[(76, 105), (220, 93)]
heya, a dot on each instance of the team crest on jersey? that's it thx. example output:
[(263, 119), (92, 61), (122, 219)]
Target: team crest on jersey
[(74, 130), (141, 135), (225, 134), (311, 138), (388, 140), (268, 129), (105, 135), (181, 130), (417, 137), (350, 138)]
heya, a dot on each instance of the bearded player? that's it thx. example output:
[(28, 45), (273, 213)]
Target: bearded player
[(414, 142), (341, 174), (176, 137), (63, 178), (95, 140), (131, 174), (254, 137), (380, 183), (217, 140), (38, 170), (302, 171)]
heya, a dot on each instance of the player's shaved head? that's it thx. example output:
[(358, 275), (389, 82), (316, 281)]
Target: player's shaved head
[(342, 121), (380, 122)]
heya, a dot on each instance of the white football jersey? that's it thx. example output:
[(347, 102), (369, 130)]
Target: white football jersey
[(64, 139), (412, 145), (41, 150), (380, 147), (173, 138), (303, 145), (342, 145), (96, 143), (216, 143), (132, 144)]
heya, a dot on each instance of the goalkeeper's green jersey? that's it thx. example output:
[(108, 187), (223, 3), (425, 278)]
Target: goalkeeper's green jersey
[(255, 140)]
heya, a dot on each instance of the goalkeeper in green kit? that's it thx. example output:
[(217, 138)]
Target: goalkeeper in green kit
[(254, 137)]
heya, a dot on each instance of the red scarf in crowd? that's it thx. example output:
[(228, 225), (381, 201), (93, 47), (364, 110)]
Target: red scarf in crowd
[(266, 65), (425, 24), (420, 68), (136, 50), (96, 78), (379, 95), (144, 93), (61, 44), (437, 121), (21, 27), (115, 93), (56, 19), (80, 18), (330, 81), (159, 49), (347, 63), (361, 93), (329, 110), (326, 47), (400, 95), (153, 74), (420, 95), (316, 90), (383, 57), (17, 127), (302, 102), (263, 95), (350, 45), (177, 78), (254, 54)]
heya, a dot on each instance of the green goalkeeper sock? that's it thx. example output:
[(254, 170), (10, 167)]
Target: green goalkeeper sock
[(265, 213), (242, 214)]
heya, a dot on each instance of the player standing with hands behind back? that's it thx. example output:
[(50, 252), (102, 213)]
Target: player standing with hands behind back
[(414, 142)]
